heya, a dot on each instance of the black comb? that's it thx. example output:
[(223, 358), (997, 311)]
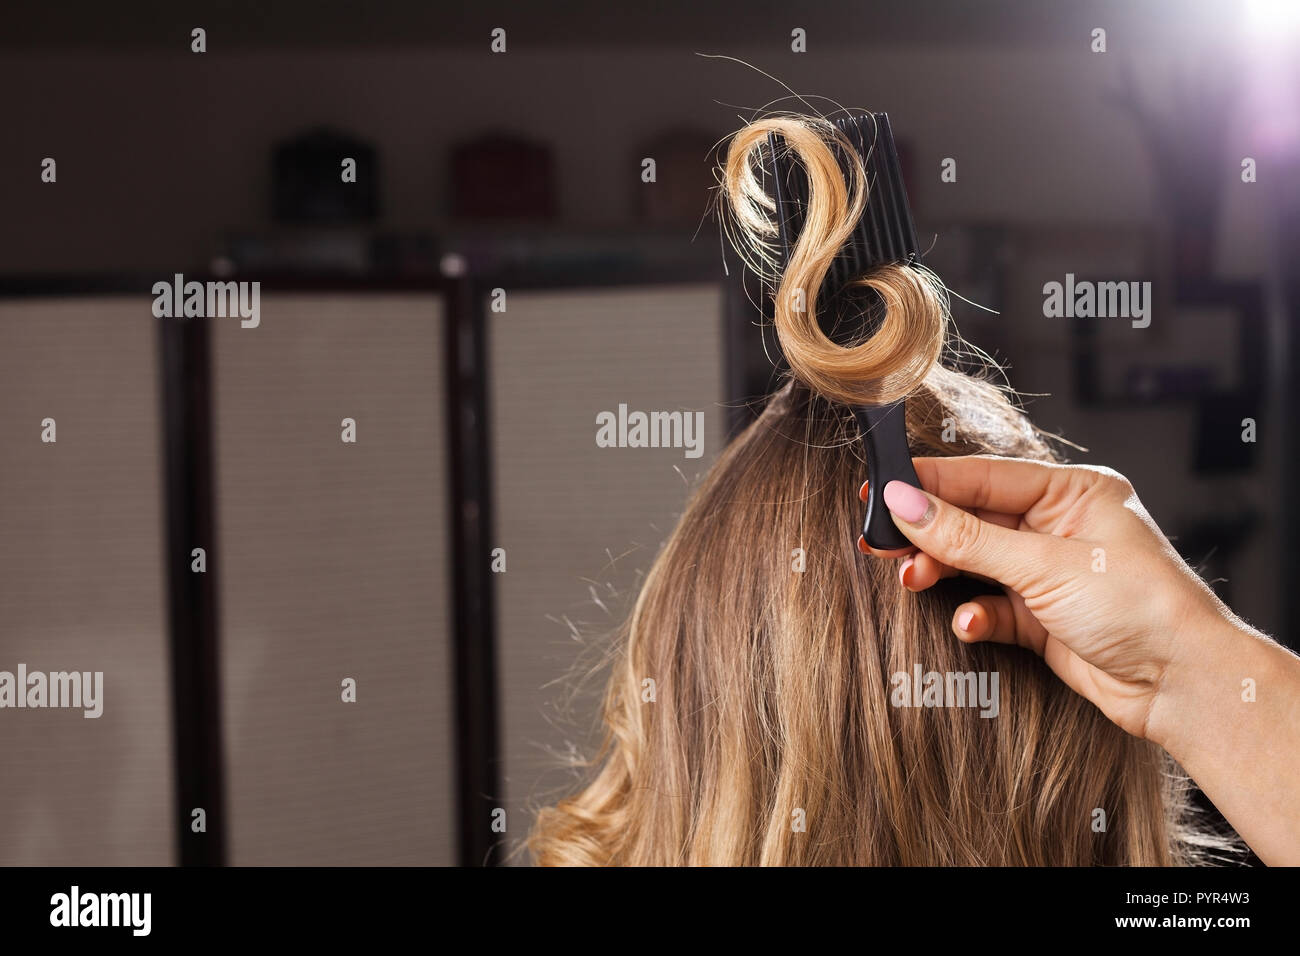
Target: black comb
[(885, 234)]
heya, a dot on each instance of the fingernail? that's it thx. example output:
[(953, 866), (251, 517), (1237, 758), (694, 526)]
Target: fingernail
[(964, 619), (909, 503), (862, 545), (903, 569), (862, 492)]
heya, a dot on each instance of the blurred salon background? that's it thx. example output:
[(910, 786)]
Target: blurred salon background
[(500, 272)]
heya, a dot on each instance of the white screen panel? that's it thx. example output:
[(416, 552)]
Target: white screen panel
[(333, 566), (81, 583), (564, 506)]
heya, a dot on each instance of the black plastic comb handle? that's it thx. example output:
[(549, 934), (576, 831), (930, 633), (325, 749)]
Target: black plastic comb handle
[(884, 433)]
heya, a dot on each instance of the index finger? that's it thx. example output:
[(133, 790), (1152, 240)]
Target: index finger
[(1008, 485)]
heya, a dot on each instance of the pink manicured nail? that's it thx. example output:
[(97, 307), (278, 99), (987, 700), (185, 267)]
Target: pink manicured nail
[(964, 619), (908, 503), (903, 569)]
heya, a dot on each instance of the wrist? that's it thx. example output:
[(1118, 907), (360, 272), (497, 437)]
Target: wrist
[(1215, 655)]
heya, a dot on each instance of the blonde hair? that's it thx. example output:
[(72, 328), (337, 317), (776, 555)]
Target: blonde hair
[(772, 738), (877, 370)]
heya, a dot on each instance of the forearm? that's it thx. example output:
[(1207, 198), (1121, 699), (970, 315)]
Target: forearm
[(1243, 753)]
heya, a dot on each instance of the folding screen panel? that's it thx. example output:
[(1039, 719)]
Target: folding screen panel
[(333, 569), (580, 523), (82, 586)]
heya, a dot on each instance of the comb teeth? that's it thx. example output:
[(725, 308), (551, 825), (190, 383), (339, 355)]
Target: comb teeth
[(885, 233)]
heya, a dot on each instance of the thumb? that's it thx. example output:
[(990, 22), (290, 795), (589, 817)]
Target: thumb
[(962, 540)]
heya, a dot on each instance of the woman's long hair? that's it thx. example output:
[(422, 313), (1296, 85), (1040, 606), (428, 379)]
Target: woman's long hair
[(771, 735)]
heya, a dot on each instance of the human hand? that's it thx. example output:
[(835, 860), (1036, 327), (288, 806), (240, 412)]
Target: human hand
[(1089, 581)]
